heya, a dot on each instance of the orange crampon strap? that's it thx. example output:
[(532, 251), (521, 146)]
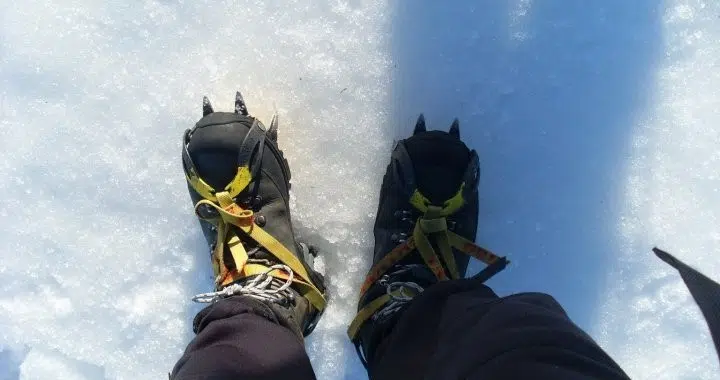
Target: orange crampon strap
[(432, 226)]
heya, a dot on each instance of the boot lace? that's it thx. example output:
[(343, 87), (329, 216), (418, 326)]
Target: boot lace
[(262, 287)]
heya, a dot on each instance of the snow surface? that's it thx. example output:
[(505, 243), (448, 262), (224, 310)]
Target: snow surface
[(596, 124)]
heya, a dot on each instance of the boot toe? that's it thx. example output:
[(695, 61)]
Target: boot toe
[(214, 146), (439, 161)]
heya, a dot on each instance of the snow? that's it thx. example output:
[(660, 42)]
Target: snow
[(671, 198), (595, 124)]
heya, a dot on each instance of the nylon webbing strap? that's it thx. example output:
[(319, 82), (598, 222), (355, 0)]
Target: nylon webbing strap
[(218, 260), (237, 250), (232, 214), (373, 307), (705, 291), (434, 225), (382, 266), (253, 141), (430, 226), (398, 253), (229, 213), (430, 232), (427, 253)]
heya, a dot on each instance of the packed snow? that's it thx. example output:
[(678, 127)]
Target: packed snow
[(596, 124)]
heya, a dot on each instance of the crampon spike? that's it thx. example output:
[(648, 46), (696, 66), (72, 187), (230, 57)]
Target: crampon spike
[(420, 125), (207, 107), (273, 130), (240, 106), (455, 128)]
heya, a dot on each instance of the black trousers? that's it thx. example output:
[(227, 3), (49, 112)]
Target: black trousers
[(454, 330)]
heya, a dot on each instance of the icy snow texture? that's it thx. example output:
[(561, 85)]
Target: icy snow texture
[(672, 194), (595, 124)]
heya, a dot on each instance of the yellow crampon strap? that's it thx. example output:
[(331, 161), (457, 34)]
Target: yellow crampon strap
[(430, 227), (433, 225), (365, 313), (236, 186), (451, 205), (231, 214)]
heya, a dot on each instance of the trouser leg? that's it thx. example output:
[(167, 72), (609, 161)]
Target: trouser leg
[(241, 338), (461, 329)]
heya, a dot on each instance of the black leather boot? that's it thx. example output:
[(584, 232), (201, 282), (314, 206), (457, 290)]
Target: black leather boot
[(425, 226), (239, 182)]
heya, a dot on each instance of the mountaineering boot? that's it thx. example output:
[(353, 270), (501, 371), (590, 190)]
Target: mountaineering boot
[(424, 229), (239, 182)]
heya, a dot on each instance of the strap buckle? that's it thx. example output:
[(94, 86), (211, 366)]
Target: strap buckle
[(400, 291)]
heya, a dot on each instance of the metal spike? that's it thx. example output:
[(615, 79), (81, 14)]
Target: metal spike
[(240, 106), (273, 130), (455, 128), (207, 107), (420, 125)]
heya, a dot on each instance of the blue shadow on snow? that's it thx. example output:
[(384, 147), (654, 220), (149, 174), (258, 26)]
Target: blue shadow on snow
[(548, 99)]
